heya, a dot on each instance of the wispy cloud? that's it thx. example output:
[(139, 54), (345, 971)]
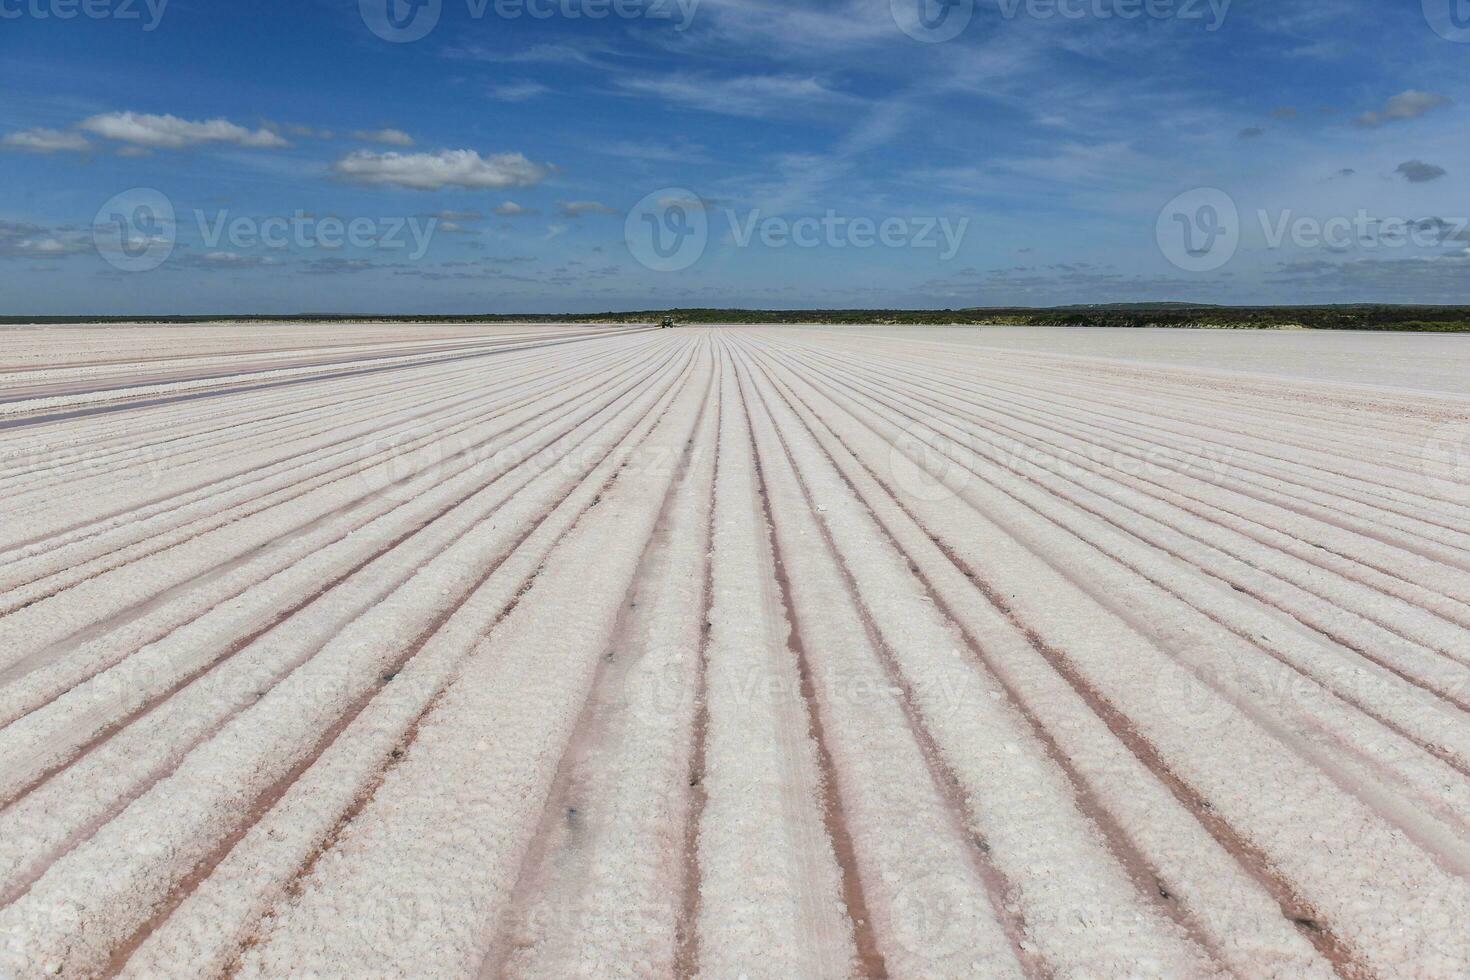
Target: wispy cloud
[(22, 240), (1406, 105), (576, 209), (518, 91), (590, 54), (433, 171), (510, 209), (42, 140), (673, 151), (393, 137), (747, 95), (170, 132)]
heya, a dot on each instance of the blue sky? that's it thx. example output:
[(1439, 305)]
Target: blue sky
[(786, 154)]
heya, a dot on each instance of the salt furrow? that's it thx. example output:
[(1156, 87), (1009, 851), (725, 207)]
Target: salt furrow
[(118, 885), (44, 738), (923, 873), (173, 442), (70, 403), (1198, 616), (214, 923), (50, 620), (85, 656), (1227, 465), (1082, 916), (605, 895), (810, 651), (1167, 530), (1241, 921), (67, 349), (25, 384), (457, 810), (1390, 413), (1224, 467), (251, 406), (1387, 899), (1178, 413), (770, 891), (1384, 421), (53, 352), (114, 506), (180, 516), (1034, 445)]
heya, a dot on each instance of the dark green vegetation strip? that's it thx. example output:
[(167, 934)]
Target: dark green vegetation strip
[(1436, 319)]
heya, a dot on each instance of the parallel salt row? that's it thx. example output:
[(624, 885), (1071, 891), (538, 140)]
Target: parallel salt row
[(183, 813), (275, 402), (704, 675), (167, 430), (1029, 559), (179, 515), (41, 624), (457, 812)]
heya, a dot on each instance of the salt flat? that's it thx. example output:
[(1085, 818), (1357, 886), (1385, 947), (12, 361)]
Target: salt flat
[(459, 651)]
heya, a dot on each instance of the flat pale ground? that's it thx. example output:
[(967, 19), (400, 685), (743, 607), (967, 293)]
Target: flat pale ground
[(578, 651), (1423, 361)]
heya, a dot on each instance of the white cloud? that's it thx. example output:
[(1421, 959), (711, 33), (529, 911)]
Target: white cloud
[(42, 140), (1406, 105), (447, 168), (518, 91), (749, 95), (575, 209), (673, 151), (32, 241), (586, 53), (307, 132), (171, 133), (232, 260), (396, 137), (510, 209)]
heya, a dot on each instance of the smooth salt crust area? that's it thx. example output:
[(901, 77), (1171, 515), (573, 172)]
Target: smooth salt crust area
[(1421, 361)]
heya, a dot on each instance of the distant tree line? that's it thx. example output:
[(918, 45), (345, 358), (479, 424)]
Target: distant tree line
[(1342, 317)]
